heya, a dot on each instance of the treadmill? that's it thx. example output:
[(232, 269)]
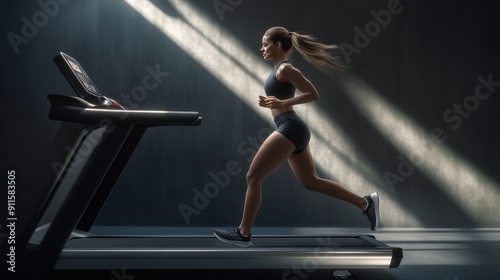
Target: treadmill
[(90, 151)]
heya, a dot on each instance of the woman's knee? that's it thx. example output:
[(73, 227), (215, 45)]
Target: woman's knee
[(310, 183), (253, 179)]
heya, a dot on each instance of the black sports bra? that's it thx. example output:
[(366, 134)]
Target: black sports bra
[(278, 89)]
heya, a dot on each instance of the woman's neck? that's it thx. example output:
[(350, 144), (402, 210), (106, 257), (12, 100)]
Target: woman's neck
[(279, 59)]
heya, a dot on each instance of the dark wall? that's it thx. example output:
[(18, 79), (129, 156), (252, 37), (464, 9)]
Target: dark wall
[(424, 59)]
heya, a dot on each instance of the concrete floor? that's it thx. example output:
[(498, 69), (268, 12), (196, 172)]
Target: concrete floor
[(446, 254)]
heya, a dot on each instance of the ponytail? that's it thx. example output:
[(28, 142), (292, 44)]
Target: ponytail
[(317, 53), (324, 57)]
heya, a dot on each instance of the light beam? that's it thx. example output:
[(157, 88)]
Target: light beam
[(471, 189)]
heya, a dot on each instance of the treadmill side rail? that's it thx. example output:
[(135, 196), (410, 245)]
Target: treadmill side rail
[(397, 253)]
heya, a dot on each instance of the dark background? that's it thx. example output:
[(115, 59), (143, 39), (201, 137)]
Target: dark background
[(425, 60)]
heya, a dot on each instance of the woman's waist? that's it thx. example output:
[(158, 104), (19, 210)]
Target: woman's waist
[(284, 110), (285, 117)]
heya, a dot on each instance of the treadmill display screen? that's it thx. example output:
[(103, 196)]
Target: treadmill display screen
[(77, 77)]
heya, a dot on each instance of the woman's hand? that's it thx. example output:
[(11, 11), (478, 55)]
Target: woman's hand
[(262, 101), (270, 102)]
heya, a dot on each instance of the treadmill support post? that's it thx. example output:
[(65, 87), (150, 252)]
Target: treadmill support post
[(41, 260)]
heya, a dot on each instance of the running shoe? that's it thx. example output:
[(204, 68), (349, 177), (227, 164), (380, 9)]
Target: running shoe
[(233, 237), (372, 211)]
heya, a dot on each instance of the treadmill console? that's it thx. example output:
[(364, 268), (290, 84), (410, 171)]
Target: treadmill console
[(81, 82)]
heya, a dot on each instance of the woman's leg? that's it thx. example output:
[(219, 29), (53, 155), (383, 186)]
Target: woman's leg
[(302, 165), (273, 152)]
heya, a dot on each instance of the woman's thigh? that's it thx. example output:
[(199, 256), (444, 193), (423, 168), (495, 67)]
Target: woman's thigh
[(302, 165), (272, 153)]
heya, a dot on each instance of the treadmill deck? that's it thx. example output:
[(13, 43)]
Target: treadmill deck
[(206, 252)]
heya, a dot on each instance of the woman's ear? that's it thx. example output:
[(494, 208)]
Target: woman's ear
[(278, 45)]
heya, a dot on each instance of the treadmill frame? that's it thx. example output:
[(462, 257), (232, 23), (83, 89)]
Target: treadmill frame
[(69, 192)]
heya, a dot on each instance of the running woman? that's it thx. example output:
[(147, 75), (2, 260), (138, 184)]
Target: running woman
[(290, 141)]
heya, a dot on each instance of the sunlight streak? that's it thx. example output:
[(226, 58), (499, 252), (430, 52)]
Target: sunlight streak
[(466, 185)]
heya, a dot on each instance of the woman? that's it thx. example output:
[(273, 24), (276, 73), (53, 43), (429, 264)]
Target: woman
[(290, 140)]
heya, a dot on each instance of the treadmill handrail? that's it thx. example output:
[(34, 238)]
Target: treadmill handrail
[(58, 100), (74, 109)]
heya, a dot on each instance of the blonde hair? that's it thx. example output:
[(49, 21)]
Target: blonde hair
[(324, 57)]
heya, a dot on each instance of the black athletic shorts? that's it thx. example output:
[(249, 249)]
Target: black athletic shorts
[(294, 129)]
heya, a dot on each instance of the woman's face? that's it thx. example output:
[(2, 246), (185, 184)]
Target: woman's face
[(269, 49)]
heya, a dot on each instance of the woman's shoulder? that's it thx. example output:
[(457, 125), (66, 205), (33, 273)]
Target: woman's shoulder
[(287, 73), (287, 69)]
